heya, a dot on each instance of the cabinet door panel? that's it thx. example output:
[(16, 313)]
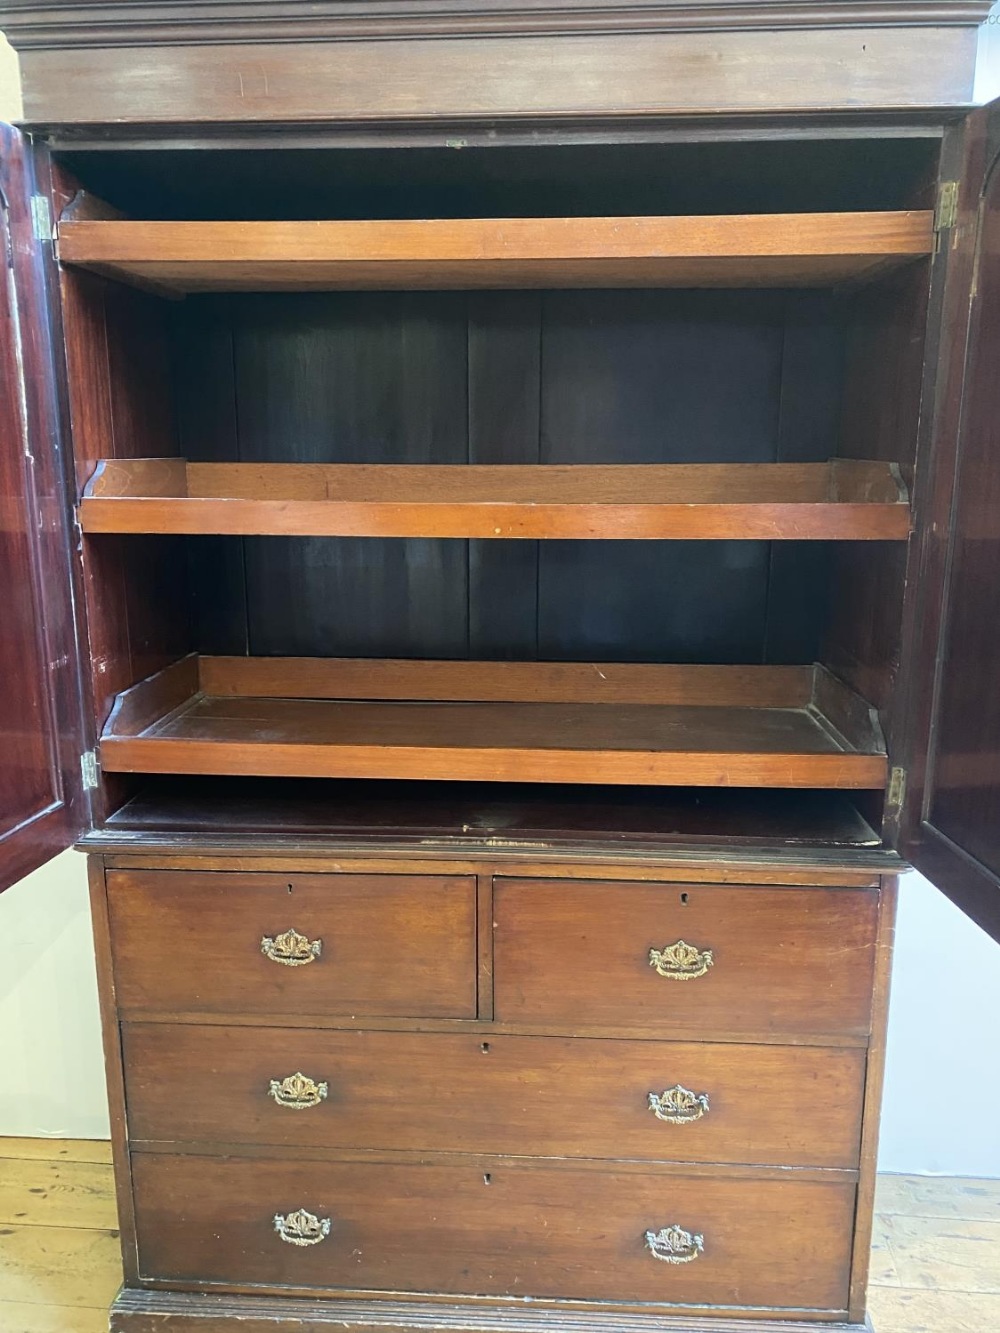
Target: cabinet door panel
[(951, 820), (39, 701)]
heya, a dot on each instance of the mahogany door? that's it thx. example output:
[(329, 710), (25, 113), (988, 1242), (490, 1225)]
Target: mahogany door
[(41, 796), (950, 825)]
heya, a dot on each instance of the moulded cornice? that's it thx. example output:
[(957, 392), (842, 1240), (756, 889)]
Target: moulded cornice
[(97, 23)]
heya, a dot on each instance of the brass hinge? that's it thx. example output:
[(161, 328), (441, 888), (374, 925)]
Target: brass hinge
[(41, 218), (88, 767), (946, 213), (897, 788)]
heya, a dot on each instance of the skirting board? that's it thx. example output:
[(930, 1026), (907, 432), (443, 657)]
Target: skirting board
[(177, 1312)]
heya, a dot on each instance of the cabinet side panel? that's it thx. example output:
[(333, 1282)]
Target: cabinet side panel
[(120, 405), (882, 393), (114, 1071), (873, 1098)]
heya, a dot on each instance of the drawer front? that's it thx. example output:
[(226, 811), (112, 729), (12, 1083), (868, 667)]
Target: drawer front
[(493, 1230), (526, 1096), (752, 961), (390, 945)]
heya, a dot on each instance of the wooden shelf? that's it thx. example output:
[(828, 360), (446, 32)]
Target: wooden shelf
[(844, 500), (484, 721), (414, 815), (752, 250)]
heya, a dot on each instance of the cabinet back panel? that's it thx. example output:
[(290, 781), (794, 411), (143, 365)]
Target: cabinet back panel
[(538, 180), (508, 377)]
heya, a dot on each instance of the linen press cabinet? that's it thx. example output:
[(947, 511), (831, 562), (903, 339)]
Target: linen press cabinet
[(501, 531)]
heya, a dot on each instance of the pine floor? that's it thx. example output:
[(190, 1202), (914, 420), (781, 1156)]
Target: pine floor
[(935, 1264)]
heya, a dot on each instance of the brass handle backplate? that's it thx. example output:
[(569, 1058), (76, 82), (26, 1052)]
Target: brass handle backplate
[(674, 1245), (297, 1092), (678, 1105), (291, 949), (680, 961), (302, 1228)]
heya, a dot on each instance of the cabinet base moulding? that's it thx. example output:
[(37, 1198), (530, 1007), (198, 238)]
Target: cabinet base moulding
[(176, 1312)]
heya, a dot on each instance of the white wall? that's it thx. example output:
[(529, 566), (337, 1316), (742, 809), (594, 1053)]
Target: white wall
[(943, 1072), (942, 1086), (52, 1079), (988, 66), (10, 84)]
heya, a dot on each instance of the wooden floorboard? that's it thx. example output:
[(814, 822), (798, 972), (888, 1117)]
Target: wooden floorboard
[(21, 1318), (56, 1150), (935, 1262), (35, 1192), (61, 1266)]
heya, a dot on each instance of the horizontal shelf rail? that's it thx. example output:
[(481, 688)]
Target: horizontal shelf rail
[(756, 726), (740, 250), (843, 500)]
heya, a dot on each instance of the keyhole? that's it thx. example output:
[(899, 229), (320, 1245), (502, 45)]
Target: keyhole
[(289, 888), (684, 899), (487, 1179), (485, 1048)]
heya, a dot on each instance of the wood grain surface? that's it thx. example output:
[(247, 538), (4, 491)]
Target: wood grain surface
[(589, 743), (842, 500), (525, 1096), (785, 961), (701, 738), (391, 944), (509, 1230), (512, 76), (780, 250)]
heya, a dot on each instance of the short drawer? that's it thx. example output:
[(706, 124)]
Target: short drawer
[(526, 1096), (495, 1229), (391, 945), (685, 959)]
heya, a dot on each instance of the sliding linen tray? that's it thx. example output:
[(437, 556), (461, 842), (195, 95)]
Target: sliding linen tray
[(844, 499), (755, 726)]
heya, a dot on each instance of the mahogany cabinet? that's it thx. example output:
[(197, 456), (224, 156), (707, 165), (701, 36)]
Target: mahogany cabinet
[(502, 532)]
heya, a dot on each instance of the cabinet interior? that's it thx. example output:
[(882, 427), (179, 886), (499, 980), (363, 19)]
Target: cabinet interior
[(251, 617)]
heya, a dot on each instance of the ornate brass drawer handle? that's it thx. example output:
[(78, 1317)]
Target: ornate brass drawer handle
[(291, 948), (297, 1092), (302, 1228), (680, 961), (674, 1245), (678, 1106)]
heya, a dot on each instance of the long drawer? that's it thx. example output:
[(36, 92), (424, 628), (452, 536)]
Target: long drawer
[(525, 1096), (685, 960), (388, 945), (501, 1230)]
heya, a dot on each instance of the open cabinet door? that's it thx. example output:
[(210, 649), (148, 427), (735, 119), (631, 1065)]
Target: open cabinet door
[(41, 781), (950, 818)]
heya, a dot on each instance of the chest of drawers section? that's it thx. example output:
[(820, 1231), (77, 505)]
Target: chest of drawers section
[(657, 1101)]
